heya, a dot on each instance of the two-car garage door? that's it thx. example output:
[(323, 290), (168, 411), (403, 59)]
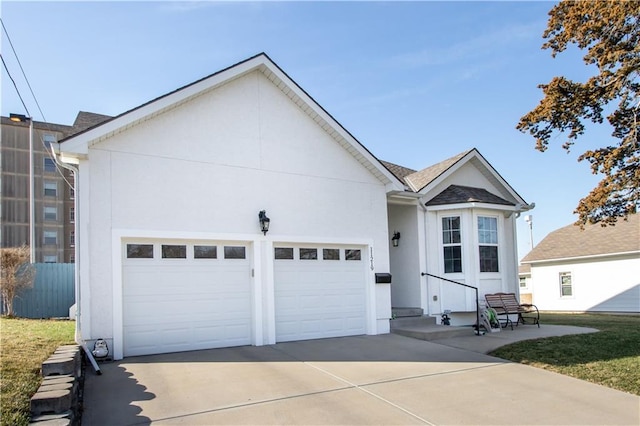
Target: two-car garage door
[(180, 296)]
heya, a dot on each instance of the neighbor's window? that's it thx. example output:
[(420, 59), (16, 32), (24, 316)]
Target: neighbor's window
[(566, 288), (308, 254), (50, 213), (235, 252), (174, 251), (331, 254), (523, 282), (72, 238), (353, 254), (452, 244), (49, 165), (72, 214), (488, 243), (283, 253), (50, 189), (205, 252), (50, 258), (50, 237), (139, 251), (48, 139)]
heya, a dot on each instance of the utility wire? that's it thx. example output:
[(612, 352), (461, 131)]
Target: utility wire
[(22, 69), (49, 154), (14, 83)]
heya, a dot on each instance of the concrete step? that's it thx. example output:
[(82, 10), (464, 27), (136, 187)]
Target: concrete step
[(432, 332), (401, 322), (406, 312)]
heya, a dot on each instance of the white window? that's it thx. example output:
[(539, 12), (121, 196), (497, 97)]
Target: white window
[(50, 237), (50, 258), (50, 189), (566, 288), (72, 238), (72, 214), (452, 244), (72, 193), (50, 213), (488, 243), (523, 282)]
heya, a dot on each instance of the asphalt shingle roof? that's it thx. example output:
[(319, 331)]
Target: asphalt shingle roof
[(570, 241), (456, 194), (424, 177)]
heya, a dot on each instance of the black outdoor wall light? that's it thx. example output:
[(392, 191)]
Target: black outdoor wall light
[(264, 221), (395, 239)]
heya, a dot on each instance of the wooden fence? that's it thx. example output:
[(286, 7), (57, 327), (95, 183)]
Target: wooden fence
[(52, 295)]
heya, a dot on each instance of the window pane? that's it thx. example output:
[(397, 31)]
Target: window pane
[(283, 253), (488, 259), (452, 259), (205, 252), (331, 254), (174, 251), (352, 254), (308, 254), (50, 189), (72, 214), (49, 165), (48, 139), (565, 284), (139, 251), (487, 230), (451, 230), (50, 213), (50, 259), (50, 237), (233, 252)]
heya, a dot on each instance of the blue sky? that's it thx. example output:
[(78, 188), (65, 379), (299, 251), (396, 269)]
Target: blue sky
[(415, 82)]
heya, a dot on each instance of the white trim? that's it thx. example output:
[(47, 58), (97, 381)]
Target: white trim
[(591, 256)]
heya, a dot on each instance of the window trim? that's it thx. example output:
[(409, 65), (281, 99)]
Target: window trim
[(444, 245), (561, 275), (488, 244)]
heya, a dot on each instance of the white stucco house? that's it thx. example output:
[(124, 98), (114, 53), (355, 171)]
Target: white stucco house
[(592, 270), (171, 255)]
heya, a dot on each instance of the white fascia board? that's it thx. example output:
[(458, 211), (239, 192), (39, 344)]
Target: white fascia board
[(404, 198), (499, 178), (485, 206), (592, 256), (444, 175), (332, 127), (80, 144)]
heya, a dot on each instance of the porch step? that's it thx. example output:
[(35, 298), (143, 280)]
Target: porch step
[(407, 312), (429, 332), (412, 322)]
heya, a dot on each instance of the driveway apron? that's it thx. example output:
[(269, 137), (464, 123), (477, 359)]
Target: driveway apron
[(385, 379)]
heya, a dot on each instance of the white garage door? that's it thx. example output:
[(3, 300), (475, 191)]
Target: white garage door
[(319, 292), (185, 296)]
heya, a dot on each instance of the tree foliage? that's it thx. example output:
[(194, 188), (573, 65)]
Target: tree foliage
[(609, 33), (16, 274)]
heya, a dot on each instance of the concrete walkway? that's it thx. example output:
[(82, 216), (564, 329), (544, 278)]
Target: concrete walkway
[(387, 379)]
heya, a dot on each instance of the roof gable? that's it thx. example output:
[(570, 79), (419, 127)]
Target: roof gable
[(79, 143), (595, 240), (419, 180)]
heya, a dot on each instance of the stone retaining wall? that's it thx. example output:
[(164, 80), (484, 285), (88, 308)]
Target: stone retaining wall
[(56, 403)]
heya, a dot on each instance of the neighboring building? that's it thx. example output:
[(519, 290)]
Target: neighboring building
[(525, 283), (174, 257), (53, 195), (592, 270)]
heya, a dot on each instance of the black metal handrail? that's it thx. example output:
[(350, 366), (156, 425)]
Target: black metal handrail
[(464, 285)]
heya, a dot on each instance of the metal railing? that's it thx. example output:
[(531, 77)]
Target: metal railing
[(464, 285)]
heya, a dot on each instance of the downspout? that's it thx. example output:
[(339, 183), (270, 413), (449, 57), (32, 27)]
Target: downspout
[(76, 229)]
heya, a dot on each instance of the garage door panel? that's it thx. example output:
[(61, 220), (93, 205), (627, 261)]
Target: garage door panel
[(174, 305), (319, 298)]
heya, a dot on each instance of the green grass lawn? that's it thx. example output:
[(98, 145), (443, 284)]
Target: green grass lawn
[(24, 345), (610, 358)]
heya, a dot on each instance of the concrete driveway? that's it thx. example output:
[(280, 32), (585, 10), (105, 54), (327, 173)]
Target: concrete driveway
[(386, 379)]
